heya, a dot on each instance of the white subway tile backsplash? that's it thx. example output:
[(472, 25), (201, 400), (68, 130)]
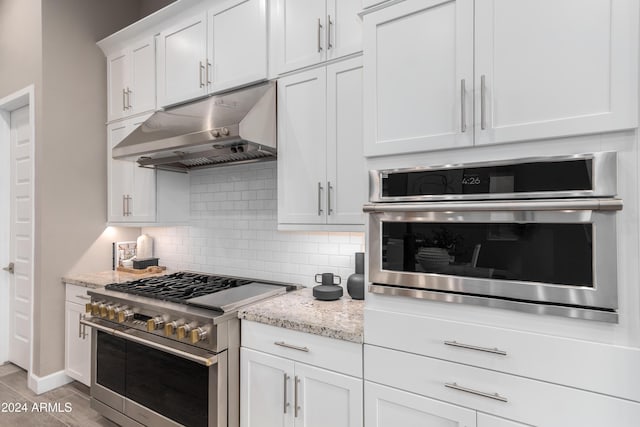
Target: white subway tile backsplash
[(233, 231)]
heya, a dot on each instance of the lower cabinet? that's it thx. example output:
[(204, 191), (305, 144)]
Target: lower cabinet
[(295, 379), (77, 339), (277, 392)]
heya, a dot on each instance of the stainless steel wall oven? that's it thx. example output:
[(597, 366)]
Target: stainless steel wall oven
[(535, 235)]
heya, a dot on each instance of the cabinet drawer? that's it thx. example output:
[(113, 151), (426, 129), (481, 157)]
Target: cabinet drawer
[(337, 355), (543, 357), (77, 294), (528, 401)]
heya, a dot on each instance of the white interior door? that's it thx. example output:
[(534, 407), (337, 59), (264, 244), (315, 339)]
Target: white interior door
[(20, 238)]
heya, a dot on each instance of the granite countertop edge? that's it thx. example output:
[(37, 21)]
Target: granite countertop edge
[(103, 278), (341, 319)]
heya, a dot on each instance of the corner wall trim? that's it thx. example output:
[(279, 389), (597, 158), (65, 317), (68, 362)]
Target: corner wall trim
[(41, 385)]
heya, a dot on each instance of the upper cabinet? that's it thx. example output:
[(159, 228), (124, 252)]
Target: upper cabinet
[(321, 170), (131, 80), (444, 74), (213, 51), (314, 31)]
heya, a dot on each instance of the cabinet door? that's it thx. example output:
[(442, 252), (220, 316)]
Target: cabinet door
[(389, 407), (418, 56), (266, 386), (242, 58), (554, 68), (344, 27), (346, 168), (77, 354), (301, 33), (326, 398), (485, 420), (142, 95), (119, 174), (302, 148), (117, 81), (182, 61), (142, 204)]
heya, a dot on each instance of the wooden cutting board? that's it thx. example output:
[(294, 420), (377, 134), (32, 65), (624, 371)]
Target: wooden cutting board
[(151, 269)]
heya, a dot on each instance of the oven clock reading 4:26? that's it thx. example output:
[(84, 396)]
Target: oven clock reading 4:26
[(471, 180)]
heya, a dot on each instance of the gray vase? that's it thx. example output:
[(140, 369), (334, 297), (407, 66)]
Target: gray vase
[(355, 282)]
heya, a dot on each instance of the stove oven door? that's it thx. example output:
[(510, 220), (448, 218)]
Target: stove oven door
[(154, 384)]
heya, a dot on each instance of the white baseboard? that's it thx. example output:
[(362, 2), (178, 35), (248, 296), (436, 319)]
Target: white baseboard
[(41, 385)]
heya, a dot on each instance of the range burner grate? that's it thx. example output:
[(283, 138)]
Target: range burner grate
[(178, 287)]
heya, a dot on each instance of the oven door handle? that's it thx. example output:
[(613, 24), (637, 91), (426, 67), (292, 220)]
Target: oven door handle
[(202, 360), (501, 205)]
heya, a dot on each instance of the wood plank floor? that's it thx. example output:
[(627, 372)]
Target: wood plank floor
[(73, 396)]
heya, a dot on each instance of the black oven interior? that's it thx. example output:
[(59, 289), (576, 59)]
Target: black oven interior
[(555, 253), (169, 385)]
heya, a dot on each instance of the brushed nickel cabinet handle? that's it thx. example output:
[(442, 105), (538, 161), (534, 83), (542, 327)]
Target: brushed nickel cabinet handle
[(296, 408), (286, 379), (320, 199), (201, 70), (124, 100), (463, 110), (319, 31), (129, 203), (209, 78), (79, 325), (129, 92), (483, 95), (291, 346), (494, 396), (84, 297), (476, 348), (329, 188), (124, 205), (329, 25)]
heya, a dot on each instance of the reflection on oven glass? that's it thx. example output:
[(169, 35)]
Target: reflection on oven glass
[(531, 252)]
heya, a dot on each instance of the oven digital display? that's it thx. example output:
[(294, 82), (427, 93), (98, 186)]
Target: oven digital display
[(568, 175)]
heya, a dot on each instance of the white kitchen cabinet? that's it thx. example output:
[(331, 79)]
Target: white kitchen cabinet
[(553, 68), (214, 51), (310, 32), (389, 407), (182, 61), (281, 385), (445, 74), (321, 170), (238, 37), (131, 83), (77, 342), (132, 189)]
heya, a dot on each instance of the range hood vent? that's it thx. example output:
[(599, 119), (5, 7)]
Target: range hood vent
[(234, 127)]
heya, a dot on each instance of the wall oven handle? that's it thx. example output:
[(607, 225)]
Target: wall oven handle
[(206, 361), (494, 396), (477, 348), (500, 205)]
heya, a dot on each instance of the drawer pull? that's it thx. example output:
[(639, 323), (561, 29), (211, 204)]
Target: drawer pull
[(474, 347), (84, 297), (494, 396), (294, 347)]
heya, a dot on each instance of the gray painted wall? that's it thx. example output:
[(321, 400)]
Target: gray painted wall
[(51, 44)]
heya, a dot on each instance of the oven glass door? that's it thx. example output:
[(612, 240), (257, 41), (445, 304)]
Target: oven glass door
[(169, 385), (563, 256)]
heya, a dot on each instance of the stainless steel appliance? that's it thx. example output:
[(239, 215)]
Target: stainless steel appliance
[(536, 235), (233, 127), (165, 350)]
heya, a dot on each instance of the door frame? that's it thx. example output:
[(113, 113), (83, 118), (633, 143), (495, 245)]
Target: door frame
[(21, 98)]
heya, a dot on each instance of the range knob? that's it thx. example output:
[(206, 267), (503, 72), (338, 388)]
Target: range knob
[(95, 308), (185, 330), (104, 309), (170, 327), (155, 323), (125, 315), (88, 307), (112, 312), (199, 334)]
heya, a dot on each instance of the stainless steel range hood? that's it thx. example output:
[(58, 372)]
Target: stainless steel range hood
[(234, 127)]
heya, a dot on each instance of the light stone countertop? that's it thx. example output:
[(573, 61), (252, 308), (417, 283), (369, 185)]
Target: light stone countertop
[(103, 278), (300, 311)]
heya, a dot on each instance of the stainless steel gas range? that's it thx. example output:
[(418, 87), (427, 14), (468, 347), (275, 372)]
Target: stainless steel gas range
[(165, 350)]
